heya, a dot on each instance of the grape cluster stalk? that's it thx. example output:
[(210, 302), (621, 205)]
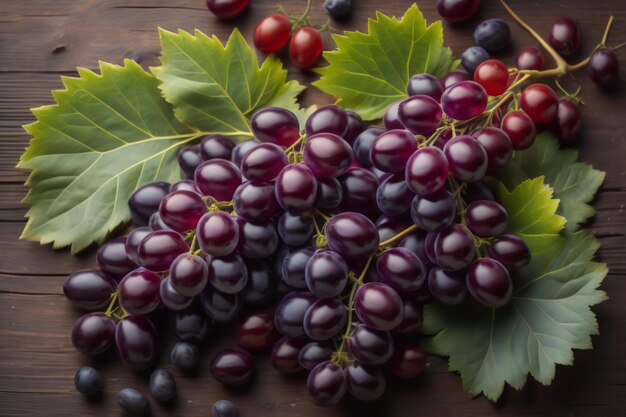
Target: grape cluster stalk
[(323, 242)]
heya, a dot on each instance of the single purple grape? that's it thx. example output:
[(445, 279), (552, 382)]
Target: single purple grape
[(189, 274), (144, 201), (352, 235), (289, 315), (433, 211), (158, 250), (136, 342), (378, 305), (467, 158), (219, 306), (228, 274), (420, 114), (275, 125), (425, 85), (327, 155), (363, 144), (216, 147), (188, 159), (447, 287), (454, 247), (218, 233), (401, 269), (370, 346), (90, 289), (218, 178), (138, 292), (181, 210), (93, 333), (232, 366), (285, 355), (113, 259), (365, 382), (263, 162), (427, 170), (255, 201), (327, 384), (328, 119), (391, 150), (296, 188), (510, 250), (325, 319)]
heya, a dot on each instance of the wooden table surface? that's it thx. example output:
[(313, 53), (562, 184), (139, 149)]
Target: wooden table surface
[(42, 39)]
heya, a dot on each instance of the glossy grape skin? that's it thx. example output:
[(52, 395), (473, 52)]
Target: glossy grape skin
[(285, 354), (296, 188), (352, 235), (447, 287), (327, 155), (181, 210), (486, 218), (263, 162), (232, 366), (133, 240), (454, 247), (393, 196), (257, 240), (392, 117), (145, 200), (325, 319), (133, 402), (289, 315), (191, 325), (493, 76), (255, 201), (427, 170), (467, 158), (88, 381), (433, 211), (228, 274), (112, 258), (412, 317), (472, 57), (489, 282), (188, 160), (530, 58), (138, 292), (256, 331), (327, 119), (452, 78), (218, 233), (296, 229), (272, 33), (498, 146), (185, 356), (275, 125), (429, 247), (389, 226), (314, 353), (162, 385), (356, 126), (186, 185), (565, 36), (407, 362), (365, 382), (158, 250), (329, 193), (493, 35), (370, 346), (292, 265), (136, 342), (327, 384), (510, 250), (425, 85), (401, 269), (93, 333), (359, 191), (457, 10), (520, 129), (420, 114), (189, 274), (391, 150), (305, 47), (414, 242), (261, 284), (378, 305), (363, 144), (219, 306), (172, 299), (568, 121), (156, 223), (90, 289), (604, 68), (326, 274), (224, 408), (464, 100), (216, 147), (240, 150), (227, 9), (218, 178), (540, 102)]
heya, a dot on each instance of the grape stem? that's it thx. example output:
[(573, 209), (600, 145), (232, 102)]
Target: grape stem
[(398, 236), (192, 247), (340, 357), (109, 311)]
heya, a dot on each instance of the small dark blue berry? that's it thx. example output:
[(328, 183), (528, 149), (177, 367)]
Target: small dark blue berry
[(87, 381), (191, 326), (133, 402), (185, 356), (473, 57), (493, 35), (224, 408), (162, 385), (338, 8)]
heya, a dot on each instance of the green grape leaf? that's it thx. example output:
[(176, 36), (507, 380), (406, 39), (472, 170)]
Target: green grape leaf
[(370, 71), (575, 183), (216, 87), (548, 315)]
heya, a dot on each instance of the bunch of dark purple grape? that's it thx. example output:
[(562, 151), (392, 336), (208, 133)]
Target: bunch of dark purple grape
[(348, 229)]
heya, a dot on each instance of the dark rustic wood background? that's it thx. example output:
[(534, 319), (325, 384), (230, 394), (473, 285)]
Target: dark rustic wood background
[(40, 40)]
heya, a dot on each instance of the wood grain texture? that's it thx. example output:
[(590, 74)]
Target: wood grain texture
[(40, 40)]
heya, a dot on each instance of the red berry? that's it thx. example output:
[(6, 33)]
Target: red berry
[(226, 9), (530, 58), (305, 48), (272, 33), (568, 121), (520, 128), (493, 75), (540, 102)]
